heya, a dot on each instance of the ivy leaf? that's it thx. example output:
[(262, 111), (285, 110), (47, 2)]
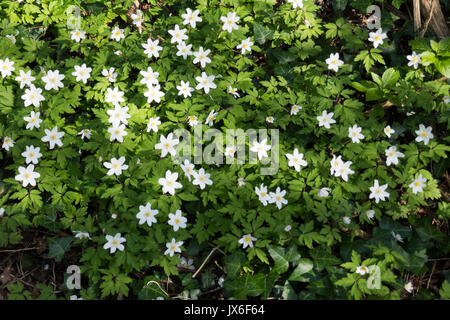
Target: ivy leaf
[(304, 266), (278, 254), (416, 261), (234, 262), (323, 258), (262, 33), (58, 247), (288, 292), (339, 5)]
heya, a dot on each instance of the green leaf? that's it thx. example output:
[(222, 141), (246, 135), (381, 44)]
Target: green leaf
[(151, 292), (373, 94), (187, 196), (445, 290), (322, 258), (262, 33), (359, 87), (339, 5), (377, 79), (416, 261), (428, 58), (58, 247), (390, 78), (288, 292), (443, 66), (444, 45), (261, 255), (278, 254), (304, 266), (234, 262)]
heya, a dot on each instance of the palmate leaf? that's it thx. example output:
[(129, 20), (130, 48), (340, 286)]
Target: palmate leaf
[(115, 284), (6, 99)]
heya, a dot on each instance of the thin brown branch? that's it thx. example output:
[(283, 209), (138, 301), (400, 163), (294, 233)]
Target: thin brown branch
[(427, 22), (18, 250), (431, 275), (203, 264)]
